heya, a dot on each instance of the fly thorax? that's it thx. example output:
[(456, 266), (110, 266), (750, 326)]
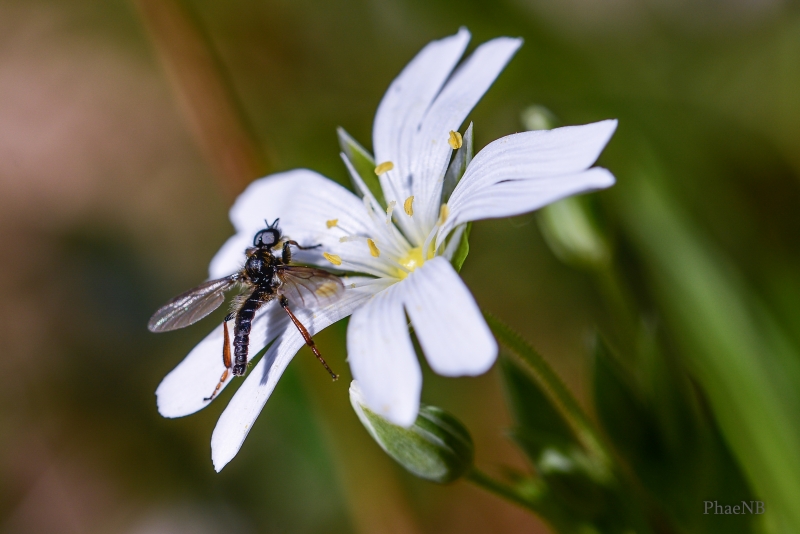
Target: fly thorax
[(255, 267)]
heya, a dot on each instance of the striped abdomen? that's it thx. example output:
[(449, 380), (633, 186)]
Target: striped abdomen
[(241, 329)]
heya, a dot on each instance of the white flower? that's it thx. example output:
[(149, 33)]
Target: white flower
[(403, 252)]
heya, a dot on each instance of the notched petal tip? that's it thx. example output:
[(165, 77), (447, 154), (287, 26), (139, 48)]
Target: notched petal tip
[(218, 464)]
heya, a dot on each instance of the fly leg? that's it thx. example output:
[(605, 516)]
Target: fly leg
[(287, 253), (226, 357), (301, 247), (306, 336)]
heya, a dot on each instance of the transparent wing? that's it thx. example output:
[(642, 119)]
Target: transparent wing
[(190, 307), (305, 286)]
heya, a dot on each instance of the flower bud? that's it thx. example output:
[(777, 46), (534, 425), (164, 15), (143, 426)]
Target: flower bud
[(538, 118), (437, 447), (567, 225), (573, 235)]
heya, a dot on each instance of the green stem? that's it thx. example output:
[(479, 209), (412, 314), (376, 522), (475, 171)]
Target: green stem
[(556, 391), (502, 490)]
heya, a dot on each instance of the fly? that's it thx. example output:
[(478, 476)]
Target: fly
[(265, 276)]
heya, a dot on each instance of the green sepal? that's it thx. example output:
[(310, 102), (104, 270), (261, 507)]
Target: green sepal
[(437, 447), (460, 255), (458, 166), (455, 171), (363, 163)]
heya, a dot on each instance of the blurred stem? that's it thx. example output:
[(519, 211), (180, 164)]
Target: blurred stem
[(621, 304), (501, 489), (556, 391), (617, 294), (215, 117)]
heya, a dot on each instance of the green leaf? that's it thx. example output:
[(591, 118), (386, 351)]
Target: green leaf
[(556, 392), (734, 349), (363, 163), (538, 424), (437, 447), (620, 407), (579, 485), (672, 445)]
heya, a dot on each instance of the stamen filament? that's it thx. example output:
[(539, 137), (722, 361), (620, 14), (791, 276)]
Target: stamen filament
[(348, 238), (389, 210)]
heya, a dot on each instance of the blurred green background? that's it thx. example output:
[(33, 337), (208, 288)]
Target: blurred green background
[(111, 203)]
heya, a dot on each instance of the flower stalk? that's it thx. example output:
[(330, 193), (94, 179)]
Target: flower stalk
[(501, 489)]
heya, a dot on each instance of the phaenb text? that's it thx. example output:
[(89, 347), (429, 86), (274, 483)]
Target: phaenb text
[(745, 507)]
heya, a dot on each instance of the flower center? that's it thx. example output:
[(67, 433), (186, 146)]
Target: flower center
[(411, 261)]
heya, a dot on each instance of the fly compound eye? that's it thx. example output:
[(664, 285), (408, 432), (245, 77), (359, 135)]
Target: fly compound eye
[(267, 238)]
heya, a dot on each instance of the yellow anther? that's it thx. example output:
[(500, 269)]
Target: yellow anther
[(444, 212), (455, 140), (408, 206), (386, 166), (331, 223), (333, 258), (373, 248)]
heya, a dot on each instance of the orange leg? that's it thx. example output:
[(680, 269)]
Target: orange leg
[(307, 337), (226, 360)]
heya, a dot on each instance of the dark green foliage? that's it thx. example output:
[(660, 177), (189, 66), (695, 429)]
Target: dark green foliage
[(574, 491), (662, 430)]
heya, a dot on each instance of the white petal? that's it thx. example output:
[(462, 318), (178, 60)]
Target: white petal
[(238, 418), (183, 390), (305, 202), (516, 197), (405, 103), (230, 257), (447, 321), (463, 90), (535, 154), (273, 194), (382, 357), (545, 165)]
